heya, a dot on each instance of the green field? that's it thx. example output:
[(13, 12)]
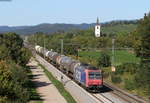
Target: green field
[(121, 56)]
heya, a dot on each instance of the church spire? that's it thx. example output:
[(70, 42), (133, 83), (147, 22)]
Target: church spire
[(97, 29), (97, 21)]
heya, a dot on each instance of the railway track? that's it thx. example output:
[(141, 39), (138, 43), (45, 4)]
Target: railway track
[(124, 98), (124, 95), (102, 98)]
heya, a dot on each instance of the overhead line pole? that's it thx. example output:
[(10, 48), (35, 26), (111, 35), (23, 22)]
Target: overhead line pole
[(113, 51), (44, 44), (35, 39), (113, 55), (62, 46)]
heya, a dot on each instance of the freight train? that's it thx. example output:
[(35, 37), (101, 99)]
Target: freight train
[(86, 75)]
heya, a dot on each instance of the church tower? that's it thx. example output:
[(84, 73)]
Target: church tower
[(97, 29)]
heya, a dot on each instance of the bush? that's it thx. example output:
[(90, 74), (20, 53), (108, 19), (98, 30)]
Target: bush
[(104, 60), (115, 79), (105, 74), (25, 55), (13, 76), (119, 70), (142, 78), (19, 75), (13, 43), (3, 99), (127, 67), (131, 67), (129, 84), (12, 84)]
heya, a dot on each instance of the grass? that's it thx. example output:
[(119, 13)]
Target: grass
[(125, 57), (121, 56), (36, 102), (59, 86), (89, 54), (34, 96)]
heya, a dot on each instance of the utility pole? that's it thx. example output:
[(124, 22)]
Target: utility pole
[(62, 46), (35, 39), (113, 56), (44, 43), (77, 54)]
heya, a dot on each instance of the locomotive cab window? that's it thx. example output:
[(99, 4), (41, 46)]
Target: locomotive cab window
[(94, 75)]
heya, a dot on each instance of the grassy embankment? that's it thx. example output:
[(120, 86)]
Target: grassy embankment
[(34, 96), (59, 86)]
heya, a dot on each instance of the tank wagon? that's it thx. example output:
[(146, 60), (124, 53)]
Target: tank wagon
[(84, 74)]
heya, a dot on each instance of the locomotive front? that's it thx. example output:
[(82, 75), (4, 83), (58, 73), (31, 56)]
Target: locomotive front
[(89, 76), (94, 80)]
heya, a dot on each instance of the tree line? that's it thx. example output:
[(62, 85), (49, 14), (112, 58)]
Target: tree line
[(82, 39), (13, 71), (143, 72), (113, 23)]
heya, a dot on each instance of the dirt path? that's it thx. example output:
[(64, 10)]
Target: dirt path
[(45, 88)]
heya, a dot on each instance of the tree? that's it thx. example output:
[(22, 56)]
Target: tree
[(13, 76), (13, 43), (24, 57), (11, 87), (11, 48), (104, 60), (70, 49), (142, 75), (145, 39), (4, 52)]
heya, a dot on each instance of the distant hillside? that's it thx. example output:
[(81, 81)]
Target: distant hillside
[(120, 28), (7, 28), (108, 27), (115, 27), (46, 28)]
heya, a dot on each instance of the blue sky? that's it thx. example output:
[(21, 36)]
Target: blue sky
[(32, 12)]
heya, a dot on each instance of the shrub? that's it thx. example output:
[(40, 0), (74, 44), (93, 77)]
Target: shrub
[(131, 67), (3, 99), (105, 74), (104, 60), (12, 84), (127, 67), (115, 79), (119, 70), (129, 84)]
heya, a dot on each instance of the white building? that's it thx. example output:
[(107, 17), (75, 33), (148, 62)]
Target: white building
[(97, 29)]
